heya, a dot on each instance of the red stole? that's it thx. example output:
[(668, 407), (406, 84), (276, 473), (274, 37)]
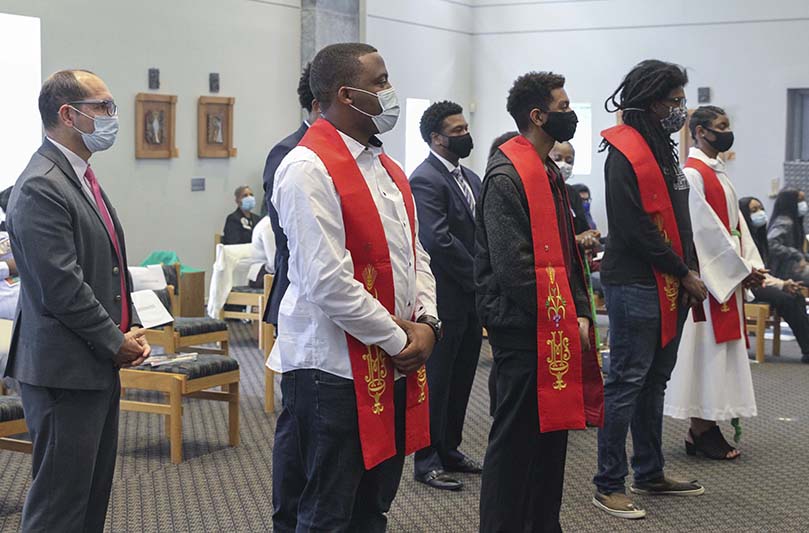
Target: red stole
[(654, 196), (366, 241), (727, 325), (569, 384)]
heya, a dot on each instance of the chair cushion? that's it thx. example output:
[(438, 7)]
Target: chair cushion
[(171, 277), (10, 408), (247, 288), (205, 365), (187, 326)]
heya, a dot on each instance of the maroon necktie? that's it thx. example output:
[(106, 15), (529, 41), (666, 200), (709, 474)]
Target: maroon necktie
[(105, 216)]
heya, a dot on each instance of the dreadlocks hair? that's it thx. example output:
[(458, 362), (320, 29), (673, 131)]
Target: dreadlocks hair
[(648, 82), (703, 116)]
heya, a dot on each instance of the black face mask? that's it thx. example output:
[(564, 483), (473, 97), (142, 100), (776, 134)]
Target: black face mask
[(723, 142), (561, 125), (460, 145)]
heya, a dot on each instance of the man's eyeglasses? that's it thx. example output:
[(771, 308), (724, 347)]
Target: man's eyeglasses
[(680, 101), (108, 105)]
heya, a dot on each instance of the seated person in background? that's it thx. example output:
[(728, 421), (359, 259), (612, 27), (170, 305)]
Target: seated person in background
[(9, 282), (263, 253), (786, 236), (583, 191), (240, 223), (784, 295)]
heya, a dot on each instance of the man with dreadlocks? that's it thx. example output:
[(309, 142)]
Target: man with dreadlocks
[(649, 279)]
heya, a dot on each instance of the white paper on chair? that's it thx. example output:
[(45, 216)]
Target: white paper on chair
[(150, 310), (150, 277)]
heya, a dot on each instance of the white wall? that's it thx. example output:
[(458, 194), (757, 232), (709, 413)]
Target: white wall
[(255, 47), (748, 52), (427, 49)]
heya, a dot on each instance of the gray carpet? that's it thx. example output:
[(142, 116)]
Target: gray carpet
[(219, 488)]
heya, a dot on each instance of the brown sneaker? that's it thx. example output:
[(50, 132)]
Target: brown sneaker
[(618, 504), (668, 487)]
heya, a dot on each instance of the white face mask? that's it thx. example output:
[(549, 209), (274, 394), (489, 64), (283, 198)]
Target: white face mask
[(803, 208), (565, 168), (389, 102), (104, 133), (758, 219)]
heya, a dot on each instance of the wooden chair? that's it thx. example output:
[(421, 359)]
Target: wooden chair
[(185, 380), (187, 332), (12, 422), (267, 341), (249, 299), (758, 318)]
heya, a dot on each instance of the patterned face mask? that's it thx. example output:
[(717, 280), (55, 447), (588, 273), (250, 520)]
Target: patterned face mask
[(675, 121)]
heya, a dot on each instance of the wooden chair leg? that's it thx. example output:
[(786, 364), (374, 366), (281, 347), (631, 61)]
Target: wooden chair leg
[(176, 422), (776, 334), (269, 390), (233, 414), (761, 324)]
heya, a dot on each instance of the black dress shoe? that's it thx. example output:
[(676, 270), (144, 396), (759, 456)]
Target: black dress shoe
[(466, 466), (438, 479)]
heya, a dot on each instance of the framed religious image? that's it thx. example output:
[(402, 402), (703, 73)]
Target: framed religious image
[(155, 116), (215, 127)]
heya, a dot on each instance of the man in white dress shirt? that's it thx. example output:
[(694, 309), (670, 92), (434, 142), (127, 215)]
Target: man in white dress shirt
[(358, 279)]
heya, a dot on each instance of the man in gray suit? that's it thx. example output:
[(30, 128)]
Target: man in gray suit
[(73, 327)]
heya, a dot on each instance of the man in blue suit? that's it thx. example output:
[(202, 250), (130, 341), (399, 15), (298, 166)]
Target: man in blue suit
[(445, 194), (276, 155)]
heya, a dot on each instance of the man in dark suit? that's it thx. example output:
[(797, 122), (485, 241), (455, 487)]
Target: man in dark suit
[(279, 151), (73, 327), (445, 194)]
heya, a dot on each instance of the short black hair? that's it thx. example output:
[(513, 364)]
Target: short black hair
[(305, 95), (433, 117), (507, 136), (334, 66), (531, 91), (703, 116), (59, 89)]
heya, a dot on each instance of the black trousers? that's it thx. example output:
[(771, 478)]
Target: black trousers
[(792, 308), (319, 479), (75, 440), (450, 373), (524, 470)]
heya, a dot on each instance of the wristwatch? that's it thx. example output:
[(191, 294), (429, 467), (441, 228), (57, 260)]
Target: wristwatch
[(433, 322)]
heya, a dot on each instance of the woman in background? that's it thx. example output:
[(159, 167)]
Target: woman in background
[(786, 236), (784, 295)]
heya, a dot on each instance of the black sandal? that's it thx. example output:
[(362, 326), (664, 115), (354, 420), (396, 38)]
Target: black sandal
[(711, 444)]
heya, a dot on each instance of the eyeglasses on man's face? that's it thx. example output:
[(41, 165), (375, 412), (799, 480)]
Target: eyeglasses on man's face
[(108, 106)]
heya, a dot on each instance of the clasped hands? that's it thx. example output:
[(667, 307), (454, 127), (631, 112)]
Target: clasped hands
[(420, 342), (135, 349)]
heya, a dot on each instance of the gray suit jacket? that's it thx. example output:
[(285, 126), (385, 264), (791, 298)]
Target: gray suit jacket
[(66, 328)]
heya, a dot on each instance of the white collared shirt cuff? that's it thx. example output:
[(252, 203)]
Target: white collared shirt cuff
[(395, 344)]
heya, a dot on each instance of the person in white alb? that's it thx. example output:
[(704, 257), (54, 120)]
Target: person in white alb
[(711, 380), (359, 318), (262, 254)]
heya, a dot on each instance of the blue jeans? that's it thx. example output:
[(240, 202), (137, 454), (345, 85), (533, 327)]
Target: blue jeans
[(319, 479), (635, 386)]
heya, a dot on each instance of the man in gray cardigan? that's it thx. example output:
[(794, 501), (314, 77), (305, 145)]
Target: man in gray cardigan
[(73, 326)]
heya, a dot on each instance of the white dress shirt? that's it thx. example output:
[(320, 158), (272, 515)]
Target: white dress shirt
[(79, 167), (324, 301)]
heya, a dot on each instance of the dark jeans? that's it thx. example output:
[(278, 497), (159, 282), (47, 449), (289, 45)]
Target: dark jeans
[(450, 373), (319, 480), (635, 386), (75, 438), (792, 308), (524, 470)]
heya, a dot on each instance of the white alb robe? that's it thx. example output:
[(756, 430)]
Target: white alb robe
[(712, 381)]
